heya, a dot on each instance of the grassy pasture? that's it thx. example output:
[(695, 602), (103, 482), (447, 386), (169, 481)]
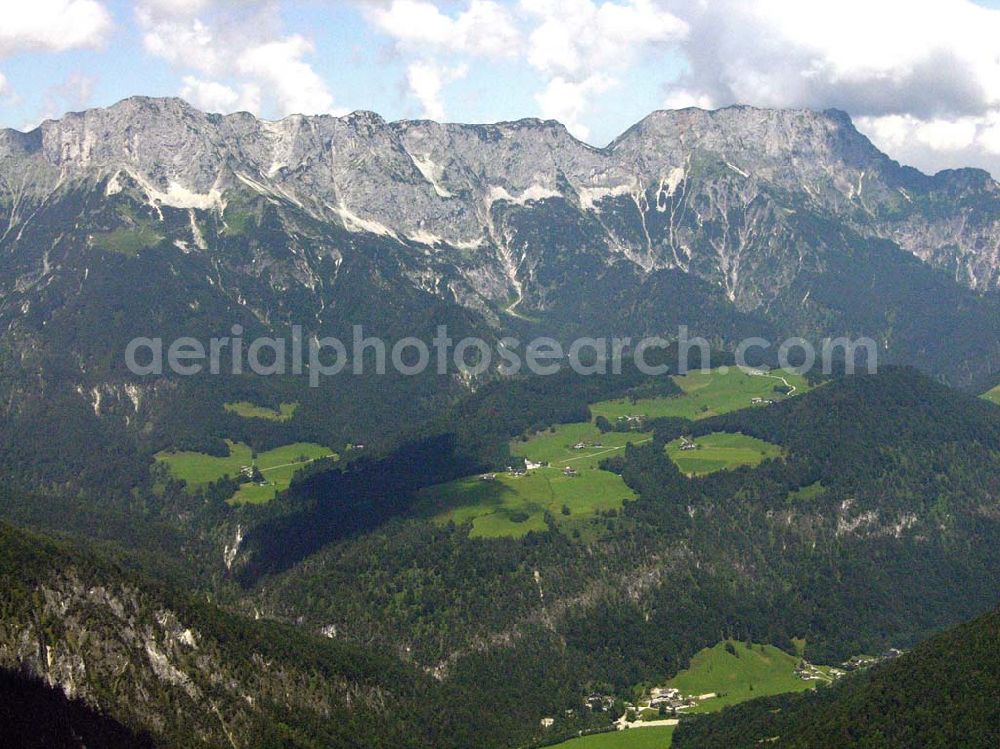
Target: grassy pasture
[(557, 447), (654, 737), (125, 240), (495, 508), (512, 506), (705, 394), (759, 671), (993, 395), (721, 451), (199, 468), (249, 410), (277, 465)]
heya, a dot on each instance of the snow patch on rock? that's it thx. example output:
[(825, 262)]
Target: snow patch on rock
[(590, 196), (533, 193), (355, 223), (432, 173)]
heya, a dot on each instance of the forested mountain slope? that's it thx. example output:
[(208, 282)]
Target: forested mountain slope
[(896, 538), (183, 671)]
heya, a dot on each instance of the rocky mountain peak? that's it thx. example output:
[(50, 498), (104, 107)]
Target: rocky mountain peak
[(441, 185), (756, 139)]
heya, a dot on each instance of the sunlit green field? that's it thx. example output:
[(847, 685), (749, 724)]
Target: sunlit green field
[(745, 674), (513, 506), (705, 394), (758, 671), (656, 737), (277, 466), (721, 451), (993, 395), (557, 447), (198, 468), (249, 410)]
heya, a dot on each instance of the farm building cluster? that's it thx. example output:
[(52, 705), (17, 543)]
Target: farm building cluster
[(867, 661), (670, 699), (251, 474), (688, 444)]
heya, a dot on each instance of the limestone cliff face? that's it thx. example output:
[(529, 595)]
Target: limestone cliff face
[(667, 182)]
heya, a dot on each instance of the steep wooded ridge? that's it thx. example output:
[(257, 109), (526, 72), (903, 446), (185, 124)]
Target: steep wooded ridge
[(901, 541), (181, 671), (942, 694)]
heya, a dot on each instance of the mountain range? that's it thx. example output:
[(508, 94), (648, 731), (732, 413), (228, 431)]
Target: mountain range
[(787, 222), (340, 609)]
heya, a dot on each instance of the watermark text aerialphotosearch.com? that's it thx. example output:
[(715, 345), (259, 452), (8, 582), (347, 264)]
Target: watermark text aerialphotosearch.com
[(317, 357)]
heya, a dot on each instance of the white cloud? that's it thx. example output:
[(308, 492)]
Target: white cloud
[(212, 96), (483, 28), (578, 38), (566, 100), (184, 42), (241, 55), (885, 57), (74, 92), (948, 135), (3, 84), (176, 7), (988, 137), (426, 81), (682, 98), (53, 25), (898, 130), (922, 78), (296, 86), (206, 35), (580, 46), (576, 46), (441, 43), (937, 143)]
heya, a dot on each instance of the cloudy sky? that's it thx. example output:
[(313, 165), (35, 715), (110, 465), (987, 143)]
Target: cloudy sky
[(920, 77)]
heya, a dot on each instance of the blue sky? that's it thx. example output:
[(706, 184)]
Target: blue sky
[(922, 79)]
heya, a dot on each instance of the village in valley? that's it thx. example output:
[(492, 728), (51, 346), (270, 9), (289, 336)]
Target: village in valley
[(725, 674)]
